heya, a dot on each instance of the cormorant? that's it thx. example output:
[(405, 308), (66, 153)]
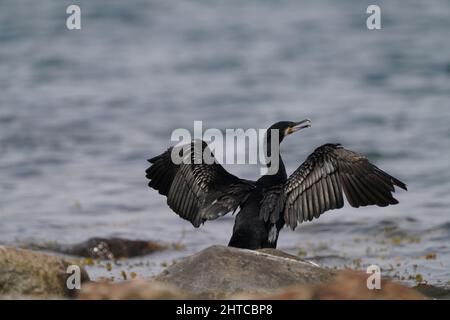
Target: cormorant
[(198, 191)]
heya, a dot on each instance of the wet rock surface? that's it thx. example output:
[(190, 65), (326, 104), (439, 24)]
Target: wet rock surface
[(114, 248), (433, 291), (106, 248), (34, 274), (218, 272)]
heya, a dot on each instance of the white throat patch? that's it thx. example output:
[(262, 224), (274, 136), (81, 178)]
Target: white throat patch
[(273, 233)]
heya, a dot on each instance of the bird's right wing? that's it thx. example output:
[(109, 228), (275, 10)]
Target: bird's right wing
[(197, 191), (319, 183)]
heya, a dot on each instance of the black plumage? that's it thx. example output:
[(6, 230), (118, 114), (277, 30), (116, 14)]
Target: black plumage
[(198, 191)]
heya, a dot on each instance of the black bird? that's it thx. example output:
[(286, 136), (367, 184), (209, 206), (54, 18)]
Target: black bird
[(198, 191)]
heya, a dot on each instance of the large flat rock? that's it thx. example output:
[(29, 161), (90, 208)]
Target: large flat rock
[(25, 273), (219, 271)]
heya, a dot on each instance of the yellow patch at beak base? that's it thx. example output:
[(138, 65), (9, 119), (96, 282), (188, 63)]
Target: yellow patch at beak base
[(289, 130)]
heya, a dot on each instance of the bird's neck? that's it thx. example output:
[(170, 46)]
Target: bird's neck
[(276, 173)]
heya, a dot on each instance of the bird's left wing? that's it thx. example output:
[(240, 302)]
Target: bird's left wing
[(195, 190), (319, 183)]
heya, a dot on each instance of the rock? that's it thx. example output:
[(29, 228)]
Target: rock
[(105, 248), (433, 291), (131, 290), (114, 248), (35, 274), (347, 285), (219, 271)]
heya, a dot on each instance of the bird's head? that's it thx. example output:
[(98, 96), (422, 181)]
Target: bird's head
[(286, 128)]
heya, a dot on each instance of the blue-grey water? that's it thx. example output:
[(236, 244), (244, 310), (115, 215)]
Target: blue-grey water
[(81, 111)]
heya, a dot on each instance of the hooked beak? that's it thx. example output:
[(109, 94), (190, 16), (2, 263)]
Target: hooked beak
[(299, 125)]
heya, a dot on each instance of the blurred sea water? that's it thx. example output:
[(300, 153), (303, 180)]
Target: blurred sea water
[(81, 111)]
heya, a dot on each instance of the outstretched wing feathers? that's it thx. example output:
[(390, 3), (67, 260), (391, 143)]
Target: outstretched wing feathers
[(161, 172), (312, 189), (195, 190), (319, 183)]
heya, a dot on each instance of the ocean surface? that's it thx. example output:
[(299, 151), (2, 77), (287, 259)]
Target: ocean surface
[(81, 111)]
